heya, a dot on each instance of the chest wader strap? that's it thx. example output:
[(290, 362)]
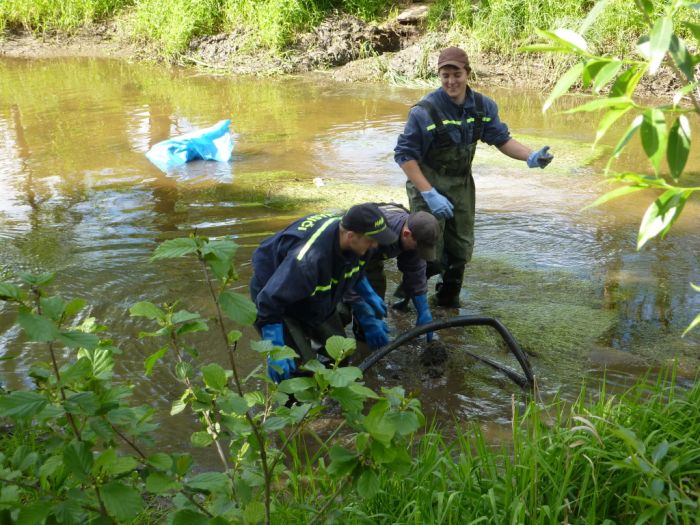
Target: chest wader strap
[(442, 136)]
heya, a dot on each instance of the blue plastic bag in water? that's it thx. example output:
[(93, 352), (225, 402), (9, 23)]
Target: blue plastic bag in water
[(212, 143)]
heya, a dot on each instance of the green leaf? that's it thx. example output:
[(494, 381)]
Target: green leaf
[(274, 423), (682, 58), (296, 384), (234, 336), (591, 70), (678, 146), (692, 325), (238, 307), (189, 517), (631, 130), (33, 514), (160, 460), (73, 307), (184, 370), (653, 135), (152, 359), (214, 376), (52, 307), (210, 482), (37, 327), (405, 422), (592, 16), (82, 403), (159, 483), (563, 84), (147, 310), (351, 402), (182, 316), (612, 116), (605, 75), (378, 425), (36, 279), (22, 404), (614, 194), (10, 292), (659, 42), (201, 439), (367, 484), (175, 248), (233, 403), (77, 457), (343, 461), (694, 29), (284, 352), (254, 512), (75, 339), (339, 347), (603, 103), (571, 39), (223, 249), (78, 371), (196, 326), (122, 502), (661, 215), (626, 83), (341, 377), (178, 406)]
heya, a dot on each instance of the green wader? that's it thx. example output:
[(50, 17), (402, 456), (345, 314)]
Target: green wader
[(448, 168), (308, 340)]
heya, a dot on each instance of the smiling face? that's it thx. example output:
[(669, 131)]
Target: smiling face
[(454, 82)]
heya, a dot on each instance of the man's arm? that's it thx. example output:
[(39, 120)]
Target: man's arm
[(515, 150), (415, 175)]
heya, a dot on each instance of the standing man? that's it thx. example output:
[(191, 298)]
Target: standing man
[(417, 236), (436, 151), (301, 274)]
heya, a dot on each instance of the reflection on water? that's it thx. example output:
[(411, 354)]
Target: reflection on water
[(78, 197)]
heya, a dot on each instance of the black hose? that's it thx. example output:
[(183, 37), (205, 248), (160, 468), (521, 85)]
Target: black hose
[(464, 320)]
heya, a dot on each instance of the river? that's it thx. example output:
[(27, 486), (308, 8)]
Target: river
[(79, 198)]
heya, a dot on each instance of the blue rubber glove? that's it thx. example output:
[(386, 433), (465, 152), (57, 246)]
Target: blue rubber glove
[(370, 297), (424, 315), (438, 204), (540, 158), (277, 369), (376, 331)]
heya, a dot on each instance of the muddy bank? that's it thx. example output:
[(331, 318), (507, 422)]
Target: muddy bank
[(342, 47)]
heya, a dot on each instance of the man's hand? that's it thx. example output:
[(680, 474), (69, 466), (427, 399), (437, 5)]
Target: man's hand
[(369, 296), (376, 331), (277, 369), (540, 158), (424, 315), (439, 205)]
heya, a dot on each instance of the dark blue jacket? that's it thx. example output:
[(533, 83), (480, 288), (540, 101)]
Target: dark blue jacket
[(301, 271), (415, 141)]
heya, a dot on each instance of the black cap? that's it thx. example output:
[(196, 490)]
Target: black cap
[(369, 220), (425, 229)]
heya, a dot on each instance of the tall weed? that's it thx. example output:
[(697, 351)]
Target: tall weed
[(171, 24), (50, 15)]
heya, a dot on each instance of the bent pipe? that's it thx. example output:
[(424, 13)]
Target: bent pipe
[(464, 320)]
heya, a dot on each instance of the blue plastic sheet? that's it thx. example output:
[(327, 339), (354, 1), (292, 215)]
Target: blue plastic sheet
[(213, 143)]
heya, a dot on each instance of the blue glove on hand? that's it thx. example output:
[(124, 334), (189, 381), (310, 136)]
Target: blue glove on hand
[(540, 158), (376, 331), (277, 369), (438, 204), (424, 315), (370, 297)]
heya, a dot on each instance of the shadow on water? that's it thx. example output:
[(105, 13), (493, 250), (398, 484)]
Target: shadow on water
[(79, 198)]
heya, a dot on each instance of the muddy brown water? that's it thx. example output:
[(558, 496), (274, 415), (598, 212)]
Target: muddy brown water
[(79, 198)]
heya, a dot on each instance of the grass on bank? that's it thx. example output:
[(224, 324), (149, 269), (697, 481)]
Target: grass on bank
[(627, 459), (495, 25)]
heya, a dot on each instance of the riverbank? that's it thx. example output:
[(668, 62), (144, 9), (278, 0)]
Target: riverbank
[(342, 47)]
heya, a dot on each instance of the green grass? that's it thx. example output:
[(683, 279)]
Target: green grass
[(51, 15), (627, 459)]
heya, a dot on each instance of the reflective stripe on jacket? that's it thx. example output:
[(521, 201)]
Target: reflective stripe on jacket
[(301, 272)]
